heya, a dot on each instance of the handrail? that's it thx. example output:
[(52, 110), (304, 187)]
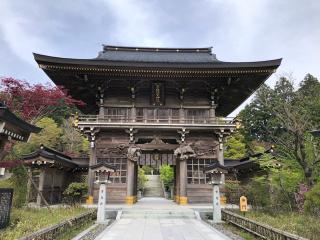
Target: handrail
[(169, 120)]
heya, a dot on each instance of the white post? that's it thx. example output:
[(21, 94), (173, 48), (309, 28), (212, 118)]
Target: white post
[(101, 203), (216, 217)]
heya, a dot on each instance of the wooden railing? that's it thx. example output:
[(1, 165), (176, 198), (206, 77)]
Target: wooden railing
[(170, 121), (261, 230), (54, 231)]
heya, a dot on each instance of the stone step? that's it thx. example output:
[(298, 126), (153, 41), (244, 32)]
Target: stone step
[(158, 214)]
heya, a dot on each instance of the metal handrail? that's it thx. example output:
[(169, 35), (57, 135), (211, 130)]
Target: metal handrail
[(169, 120)]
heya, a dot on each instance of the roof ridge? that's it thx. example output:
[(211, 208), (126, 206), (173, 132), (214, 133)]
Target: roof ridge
[(156, 49)]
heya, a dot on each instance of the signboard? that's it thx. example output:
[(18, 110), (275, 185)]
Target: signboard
[(157, 94), (243, 204), (223, 200), (5, 206)]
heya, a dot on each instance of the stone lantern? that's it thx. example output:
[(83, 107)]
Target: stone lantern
[(102, 172), (215, 172)]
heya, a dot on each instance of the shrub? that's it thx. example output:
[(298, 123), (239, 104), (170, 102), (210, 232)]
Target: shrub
[(142, 179), (312, 200), (75, 192), (147, 169), (166, 175)]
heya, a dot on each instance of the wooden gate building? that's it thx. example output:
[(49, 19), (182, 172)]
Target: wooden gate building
[(154, 106)]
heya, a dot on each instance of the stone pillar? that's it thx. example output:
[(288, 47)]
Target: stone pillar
[(183, 200), (130, 199), (40, 187), (216, 204), (91, 176), (101, 203)]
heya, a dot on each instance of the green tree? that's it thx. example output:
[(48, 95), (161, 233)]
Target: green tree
[(279, 115), (235, 146), (72, 142), (50, 136)]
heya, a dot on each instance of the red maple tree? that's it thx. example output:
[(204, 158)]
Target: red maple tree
[(32, 102)]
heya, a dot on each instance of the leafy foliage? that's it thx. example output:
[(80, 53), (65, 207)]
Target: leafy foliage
[(235, 147), (166, 175), (32, 102), (142, 179), (75, 192), (284, 116)]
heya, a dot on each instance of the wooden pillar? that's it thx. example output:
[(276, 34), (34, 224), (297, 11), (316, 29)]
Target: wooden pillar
[(52, 185), (183, 182), (220, 152), (91, 176), (181, 115), (177, 194), (130, 198), (29, 185), (133, 114), (40, 187)]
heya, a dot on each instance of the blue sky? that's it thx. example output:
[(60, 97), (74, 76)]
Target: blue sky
[(238, 30)]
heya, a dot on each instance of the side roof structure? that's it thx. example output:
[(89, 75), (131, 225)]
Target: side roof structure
[(51, 156), (13, 126)]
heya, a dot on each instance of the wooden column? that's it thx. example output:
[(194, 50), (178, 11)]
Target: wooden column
[(130, 198), (183, 182), (40, 187), (133, 114), (177, 193), (52, 185), (29, 185), (220, 152), (92, 161), (181, 114)]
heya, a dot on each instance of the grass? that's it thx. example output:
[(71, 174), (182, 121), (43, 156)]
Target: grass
[(299, 224), (25, 221)]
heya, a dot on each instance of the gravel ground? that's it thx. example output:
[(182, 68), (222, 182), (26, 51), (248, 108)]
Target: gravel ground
[(95, 231)]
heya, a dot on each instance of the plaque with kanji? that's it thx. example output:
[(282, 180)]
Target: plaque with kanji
[(157, 94)]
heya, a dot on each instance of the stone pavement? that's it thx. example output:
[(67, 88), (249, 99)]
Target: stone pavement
[(159, 219)]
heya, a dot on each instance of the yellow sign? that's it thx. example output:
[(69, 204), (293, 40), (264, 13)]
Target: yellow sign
[(243, 204), (89, 200), (223, 200)]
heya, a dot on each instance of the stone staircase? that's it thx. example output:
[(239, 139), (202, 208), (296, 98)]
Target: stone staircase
[(158, 214), (153, 187)]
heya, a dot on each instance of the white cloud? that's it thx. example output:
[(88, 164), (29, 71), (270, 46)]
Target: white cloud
[(135, 23), (19, 31)]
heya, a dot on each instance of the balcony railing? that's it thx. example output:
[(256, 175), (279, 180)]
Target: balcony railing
[(121, 119)]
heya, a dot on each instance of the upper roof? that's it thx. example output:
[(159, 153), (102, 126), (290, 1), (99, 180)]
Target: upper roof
[(82, 77), (143, 54)]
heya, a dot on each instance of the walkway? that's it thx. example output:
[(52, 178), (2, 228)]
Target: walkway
[(159, 219)]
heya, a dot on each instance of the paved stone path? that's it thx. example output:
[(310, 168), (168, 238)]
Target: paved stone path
[(153, 227)]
